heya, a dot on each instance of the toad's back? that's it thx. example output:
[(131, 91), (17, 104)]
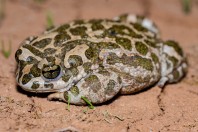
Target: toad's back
[(97, 59)]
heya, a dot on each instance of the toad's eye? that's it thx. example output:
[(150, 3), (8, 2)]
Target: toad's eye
[(51, 73)]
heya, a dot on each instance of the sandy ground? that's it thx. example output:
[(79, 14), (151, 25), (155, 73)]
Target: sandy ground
[(173, 109)]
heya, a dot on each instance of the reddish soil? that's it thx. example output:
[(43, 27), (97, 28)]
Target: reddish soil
[(173, 109)]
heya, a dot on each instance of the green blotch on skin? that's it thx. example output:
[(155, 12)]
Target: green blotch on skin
[(17, 54), (74, 90), (94, 83), (139, 27), (110, 87), (143, 62), (123, 17), (74, 71), (155, 58), (124, 42), (112, 58), (119, 79), (26, 78), (107, 45), (62, 28), (22, 64), (35, 71), (66, 95), (176, 74), (32, 60), (75, 60), (42, 43), (66, 77), (173, 60), (150, 43), (87, 67), (49, 51), (141, 79), (79, 22), (35, 85), (96, 25), (92, 54), (60, 38), (51, 71), (131, 61), (141, 48), (51, 60), (175, 45), (121, 30), (79, 31), (34, 51), (49, 85), (103, 71)]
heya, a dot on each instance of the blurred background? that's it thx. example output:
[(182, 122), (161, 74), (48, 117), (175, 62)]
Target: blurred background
[(176, 19)]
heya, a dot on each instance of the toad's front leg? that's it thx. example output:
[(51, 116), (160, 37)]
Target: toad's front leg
[(97, 88)]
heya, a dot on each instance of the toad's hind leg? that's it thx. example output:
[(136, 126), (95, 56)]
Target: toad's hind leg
[(173, 64), (143, 21), (97, 88)]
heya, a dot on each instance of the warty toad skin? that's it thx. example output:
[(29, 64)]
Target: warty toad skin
[(98, 59)]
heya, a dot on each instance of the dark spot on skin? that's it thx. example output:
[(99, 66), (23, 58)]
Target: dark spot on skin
[(175, 45), (107, 45), (51, 72), (150, 43), (112, 58), (173, 60), (74, 71), (62, 28), (91, 54), (140, 61), (34, 51), (119, 79), (31, 60), (96, 25), (51, 60), (49, 85), (109, 90), (93, 82), (141, 48), (49, 51), (123, 17), (139, 27), (42, 43), (103, 72), (66, 95), (79, 22), (87, 67), (74, 90), (176, 74), (17, 54), (121, 30), (154, 57), (21, 65), (26, 78), (124, 42), (35, 85), (60, 38), (75, 60), (79, 31), (66, 77), (131, 61), (35, 71)]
